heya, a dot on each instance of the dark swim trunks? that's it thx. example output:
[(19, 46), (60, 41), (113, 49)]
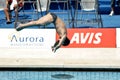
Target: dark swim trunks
[(54, 17)]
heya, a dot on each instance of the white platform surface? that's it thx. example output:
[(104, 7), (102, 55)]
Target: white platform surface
[(63, 58)]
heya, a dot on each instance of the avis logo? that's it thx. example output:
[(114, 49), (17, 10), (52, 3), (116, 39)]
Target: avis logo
[(90, 38)]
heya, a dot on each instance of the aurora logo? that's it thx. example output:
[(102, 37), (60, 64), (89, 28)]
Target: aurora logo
[(27, 39), (15, 37)]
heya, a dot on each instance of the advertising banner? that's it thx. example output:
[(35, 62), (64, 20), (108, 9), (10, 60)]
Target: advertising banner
[(92, 38), (28, 38), (45, 38)]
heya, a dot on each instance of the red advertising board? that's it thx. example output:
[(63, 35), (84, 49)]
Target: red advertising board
[(92, 38)]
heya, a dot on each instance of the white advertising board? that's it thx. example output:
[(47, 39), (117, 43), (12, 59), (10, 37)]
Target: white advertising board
[(27, 38), (118, 37)]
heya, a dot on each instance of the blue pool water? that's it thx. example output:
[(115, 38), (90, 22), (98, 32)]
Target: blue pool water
[(59, 75)]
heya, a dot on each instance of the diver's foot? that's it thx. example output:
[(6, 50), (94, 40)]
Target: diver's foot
[(18, 27), (8, 22)]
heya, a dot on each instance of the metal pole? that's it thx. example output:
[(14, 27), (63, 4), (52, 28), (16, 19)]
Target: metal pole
[(16, 16), (47, 6), (40, 7)]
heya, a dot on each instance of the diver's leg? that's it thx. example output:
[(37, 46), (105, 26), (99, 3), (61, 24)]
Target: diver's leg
[(42, 21)]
